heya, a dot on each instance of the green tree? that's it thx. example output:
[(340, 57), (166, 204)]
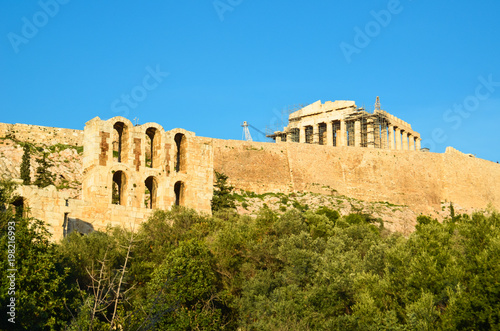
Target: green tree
[(99, 264), (184, 291), (25, 165), (222, 198), (42, 289), (44, 177), (302, 270)]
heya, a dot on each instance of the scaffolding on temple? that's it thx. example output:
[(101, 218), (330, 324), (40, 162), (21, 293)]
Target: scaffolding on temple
[(373, 129), (309, 134), (294, 135), (350, 133), (336, 133), (377, 103), (322, 134), (351, 126), (281, 120)]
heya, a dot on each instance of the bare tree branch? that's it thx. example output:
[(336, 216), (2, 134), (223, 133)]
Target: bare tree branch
[(123, 271)]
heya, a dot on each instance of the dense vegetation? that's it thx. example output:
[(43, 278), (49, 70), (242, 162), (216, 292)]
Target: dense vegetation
[(25, 165), (303, 270), (222, 198), (44, 177)]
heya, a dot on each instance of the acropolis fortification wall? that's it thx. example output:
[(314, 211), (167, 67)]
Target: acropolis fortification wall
[(421, 180), (42, 134)]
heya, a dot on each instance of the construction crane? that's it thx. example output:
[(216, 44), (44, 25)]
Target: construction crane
[(246, 133), (377, 104)]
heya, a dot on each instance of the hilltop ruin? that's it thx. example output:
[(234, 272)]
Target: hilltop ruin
[(129, 170)]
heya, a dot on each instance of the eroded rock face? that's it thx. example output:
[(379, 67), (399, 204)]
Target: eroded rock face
[(67, 164), (10, 159)]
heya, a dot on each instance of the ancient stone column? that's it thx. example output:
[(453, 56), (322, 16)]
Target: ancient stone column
[(315, 137), (398, 139), (391, 137), (370, 139), (412, 142), (278, 138), (342, 137), (329, 134), (302, 134), (418, 143), (384, 137), (405, 140), (357, 133)]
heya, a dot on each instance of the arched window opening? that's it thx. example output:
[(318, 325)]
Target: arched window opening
[(151, 192), (180, 151), (150, 136), (19, 207), (118, 190), (179, 193), (153, 146), (120, 147), (66, 227)]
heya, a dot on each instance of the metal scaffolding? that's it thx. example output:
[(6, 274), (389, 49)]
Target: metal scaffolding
[(294, 135), (350, 133), (373, 129), (322, 134), (309, 134), (362, 129), (336, 132)]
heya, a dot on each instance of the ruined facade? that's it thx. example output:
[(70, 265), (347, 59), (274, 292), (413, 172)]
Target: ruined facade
[(145, 166), (127, 172), (342, 123)]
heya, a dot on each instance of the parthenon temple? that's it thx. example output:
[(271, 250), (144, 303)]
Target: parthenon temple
[(342, 123)]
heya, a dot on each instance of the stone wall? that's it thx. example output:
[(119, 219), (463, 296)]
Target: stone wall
[(42, 134), (417, 179), (254, 166), (63, 214)]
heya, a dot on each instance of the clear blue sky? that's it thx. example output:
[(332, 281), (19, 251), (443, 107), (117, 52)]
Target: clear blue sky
[(230, 61)]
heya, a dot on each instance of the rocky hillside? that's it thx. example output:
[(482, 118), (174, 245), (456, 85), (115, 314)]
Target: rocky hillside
[(66, 160), (398, 218), (67, 165)]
